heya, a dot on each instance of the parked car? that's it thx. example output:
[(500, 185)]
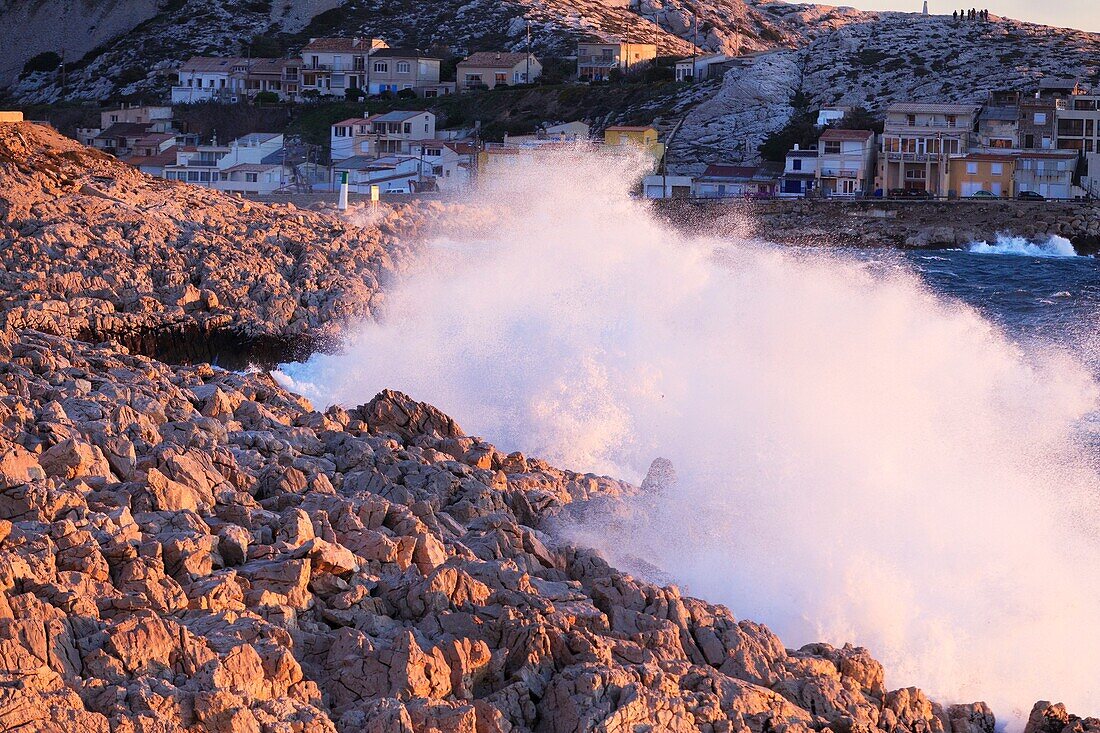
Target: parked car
[(909, 193), (1030, 196), (983, 195)]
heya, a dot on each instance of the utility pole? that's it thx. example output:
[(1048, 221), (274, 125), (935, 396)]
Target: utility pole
[(527, 77), (694, 44)]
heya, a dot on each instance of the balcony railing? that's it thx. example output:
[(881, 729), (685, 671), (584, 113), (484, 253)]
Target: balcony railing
[(839, 173)]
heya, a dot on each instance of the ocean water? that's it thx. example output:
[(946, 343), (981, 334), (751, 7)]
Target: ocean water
[(1038, 292), (895, 449)]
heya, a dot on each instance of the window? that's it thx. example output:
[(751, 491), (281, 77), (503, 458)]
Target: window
[(971, 169), (425, 127), (997, 169), (204, 176), (402, 67), (408, 128), (473, 78), (1040, 118), (500, 78), (833, 147), (381, 67), (114, 118), (313, 62), (607, 53), (796, 164), (341, 131), (911, 120)]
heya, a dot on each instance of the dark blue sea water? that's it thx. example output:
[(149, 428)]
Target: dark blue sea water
[(1046, 297), (1049, 297)]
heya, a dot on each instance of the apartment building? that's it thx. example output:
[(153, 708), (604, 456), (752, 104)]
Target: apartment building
[(918, 141), (331, 66), (204, 79), (490, 69), (845, 162), (1078, 124), (595, 61)]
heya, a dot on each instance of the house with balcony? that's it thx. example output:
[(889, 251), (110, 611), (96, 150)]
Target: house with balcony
[(596, 60), (332, 66), (392, 133), (845, 162), (918, 141), (1049, 173), (398, 69), (1077, 124), (277, 76), (982, 172), (205, 79), (490, 69), (799, 172)]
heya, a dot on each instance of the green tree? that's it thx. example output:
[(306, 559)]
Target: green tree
[(46, 61)]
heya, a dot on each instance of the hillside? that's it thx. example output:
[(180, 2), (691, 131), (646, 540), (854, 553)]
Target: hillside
[(139, 59), (890, 58)]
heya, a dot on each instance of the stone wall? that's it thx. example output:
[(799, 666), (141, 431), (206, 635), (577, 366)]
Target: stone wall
[(875, 223)]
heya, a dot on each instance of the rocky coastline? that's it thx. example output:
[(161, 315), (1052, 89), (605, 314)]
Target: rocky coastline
[(185, 548), (877, 223)]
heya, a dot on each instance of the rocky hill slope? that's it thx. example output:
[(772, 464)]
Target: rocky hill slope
[(184, 548), (95, 250), (890, 58), (139, 59)]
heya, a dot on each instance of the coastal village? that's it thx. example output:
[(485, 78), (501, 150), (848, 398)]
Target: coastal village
[(1035, 144)]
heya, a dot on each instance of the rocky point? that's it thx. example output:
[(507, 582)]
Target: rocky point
[(186, 548)]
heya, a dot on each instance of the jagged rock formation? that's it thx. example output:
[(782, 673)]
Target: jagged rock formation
[(882, 59), (94, 249), (194, 549)]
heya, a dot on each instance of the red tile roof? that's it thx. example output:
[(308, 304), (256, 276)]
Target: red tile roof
[(837, 134)]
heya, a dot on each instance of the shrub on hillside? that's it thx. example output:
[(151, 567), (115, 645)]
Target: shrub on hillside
[(47, 61)]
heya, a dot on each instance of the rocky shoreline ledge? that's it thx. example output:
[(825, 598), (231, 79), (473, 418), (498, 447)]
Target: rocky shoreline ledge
[(185, 548), (906, 224)]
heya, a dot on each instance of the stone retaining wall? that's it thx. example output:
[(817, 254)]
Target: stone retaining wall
[(890, 223)]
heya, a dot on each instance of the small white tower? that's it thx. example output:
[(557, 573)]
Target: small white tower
[(925, 11)]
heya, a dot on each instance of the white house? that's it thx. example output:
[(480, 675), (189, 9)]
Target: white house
[(666, 187), (799, 173), (203, 79), (846, 162), (829, 115), (250, 164), (392, 174), (452, 162), (699, 67)]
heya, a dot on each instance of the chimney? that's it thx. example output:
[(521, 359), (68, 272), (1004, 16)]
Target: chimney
[(796, 146)]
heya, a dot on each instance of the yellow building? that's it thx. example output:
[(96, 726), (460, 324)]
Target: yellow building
[(977, 172), (643, 137)]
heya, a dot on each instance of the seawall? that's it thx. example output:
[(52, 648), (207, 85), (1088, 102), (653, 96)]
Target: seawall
[(876, 223)]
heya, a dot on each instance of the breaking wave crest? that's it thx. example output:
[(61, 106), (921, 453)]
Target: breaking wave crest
[(1005, 245), (857, 459)]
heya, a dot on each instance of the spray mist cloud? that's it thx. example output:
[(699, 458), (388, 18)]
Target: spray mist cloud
[(857, 459)]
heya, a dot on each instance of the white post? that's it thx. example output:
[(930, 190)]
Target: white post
[(343, 203)]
